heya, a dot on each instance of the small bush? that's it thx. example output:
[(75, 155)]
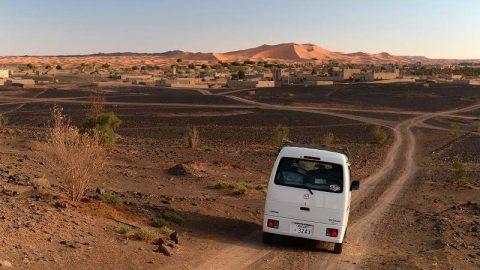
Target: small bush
[(158, 222), (476, 126), (262, 187), (110, 197), (193, 138), (328, 139), (124, 229), (146, 235), (172, 216), (280, 133), (166, 230), (3, 120), (238, 188), (105, 125), (222, 185), (459, 170), (380, 136), (455, 128), (96, 107), (241, 190)]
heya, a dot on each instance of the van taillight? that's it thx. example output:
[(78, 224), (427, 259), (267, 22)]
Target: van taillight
[(332, 232), (272, 223)]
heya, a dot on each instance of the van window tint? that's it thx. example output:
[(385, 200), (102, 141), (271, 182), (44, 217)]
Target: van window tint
[(310, 174)]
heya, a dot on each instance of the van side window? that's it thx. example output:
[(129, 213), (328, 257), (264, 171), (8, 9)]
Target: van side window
[(310, 174)]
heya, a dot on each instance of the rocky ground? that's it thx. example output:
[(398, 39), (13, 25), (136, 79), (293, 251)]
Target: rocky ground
[(152, 174)]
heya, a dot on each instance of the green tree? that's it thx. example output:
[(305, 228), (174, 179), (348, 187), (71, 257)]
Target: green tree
[(241, 74), (58, 67), (191, 66), (105, 124)]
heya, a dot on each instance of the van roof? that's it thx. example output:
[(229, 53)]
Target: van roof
[(344, 151)]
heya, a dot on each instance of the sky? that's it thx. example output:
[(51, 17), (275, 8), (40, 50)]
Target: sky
[(432, 28)]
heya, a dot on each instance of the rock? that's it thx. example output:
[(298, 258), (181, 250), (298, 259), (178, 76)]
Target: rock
[(61, 205), (174, 237), (5, 264), (179, 169), (101, 191), (163, 249), (9, 192), (70, 244)]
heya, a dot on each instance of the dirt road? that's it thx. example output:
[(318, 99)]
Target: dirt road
[(378, 191), (385, 185)]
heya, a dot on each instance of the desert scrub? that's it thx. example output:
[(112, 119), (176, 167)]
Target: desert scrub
[(124, 229), (238, 188), (172, 216), (193, 138), (455, 128), (110, 197), (328, 139), (261, 187), (158, 222), (166, 230), (104, 125), (459, 170), (76, 158), (380, 136), (279, 134), (476, 126), (3, 120), (146, 235)]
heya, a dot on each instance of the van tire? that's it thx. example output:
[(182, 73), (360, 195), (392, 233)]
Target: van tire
[(338, 248), (268, 238)]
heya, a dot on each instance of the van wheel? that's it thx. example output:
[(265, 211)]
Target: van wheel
[(268, 238), (338, 248)]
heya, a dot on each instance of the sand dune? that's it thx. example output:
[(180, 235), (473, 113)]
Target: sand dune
[(285, 52)]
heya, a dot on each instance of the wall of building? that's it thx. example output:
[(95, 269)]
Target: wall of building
[(386, 75), (4, 73), (313, 83), (474, 82)]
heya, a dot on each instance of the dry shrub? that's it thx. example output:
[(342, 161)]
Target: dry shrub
[(96, 108), (476, 126), (280, 133), (193, 137), (76, 158), (459, 170), (380, 136), (328, 139), (3, 120)]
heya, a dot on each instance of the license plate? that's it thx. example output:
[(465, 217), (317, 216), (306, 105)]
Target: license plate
[(302, 229)]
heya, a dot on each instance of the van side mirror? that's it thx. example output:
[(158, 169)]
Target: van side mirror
[(355, 185)]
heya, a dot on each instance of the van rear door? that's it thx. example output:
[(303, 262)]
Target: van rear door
[(308, 190)]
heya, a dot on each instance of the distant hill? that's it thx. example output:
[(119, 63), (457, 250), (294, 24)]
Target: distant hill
[(306, 52), (285, 52)]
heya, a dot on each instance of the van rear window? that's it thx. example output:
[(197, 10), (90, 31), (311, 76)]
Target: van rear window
[(310, 174)]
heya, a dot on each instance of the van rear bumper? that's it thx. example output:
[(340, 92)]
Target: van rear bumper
[(319, 229)]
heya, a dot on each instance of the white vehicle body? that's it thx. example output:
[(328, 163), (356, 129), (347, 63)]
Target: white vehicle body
[(318, 208)]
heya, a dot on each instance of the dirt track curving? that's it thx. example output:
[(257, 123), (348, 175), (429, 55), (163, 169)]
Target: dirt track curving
[(384, 185)]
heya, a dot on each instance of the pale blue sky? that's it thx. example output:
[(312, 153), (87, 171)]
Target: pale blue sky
[(434, 28)]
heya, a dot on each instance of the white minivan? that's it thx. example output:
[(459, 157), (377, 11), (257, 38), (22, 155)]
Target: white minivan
[(309, 195)]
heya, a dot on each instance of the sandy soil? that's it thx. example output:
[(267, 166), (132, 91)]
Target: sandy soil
[(398, 177)]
